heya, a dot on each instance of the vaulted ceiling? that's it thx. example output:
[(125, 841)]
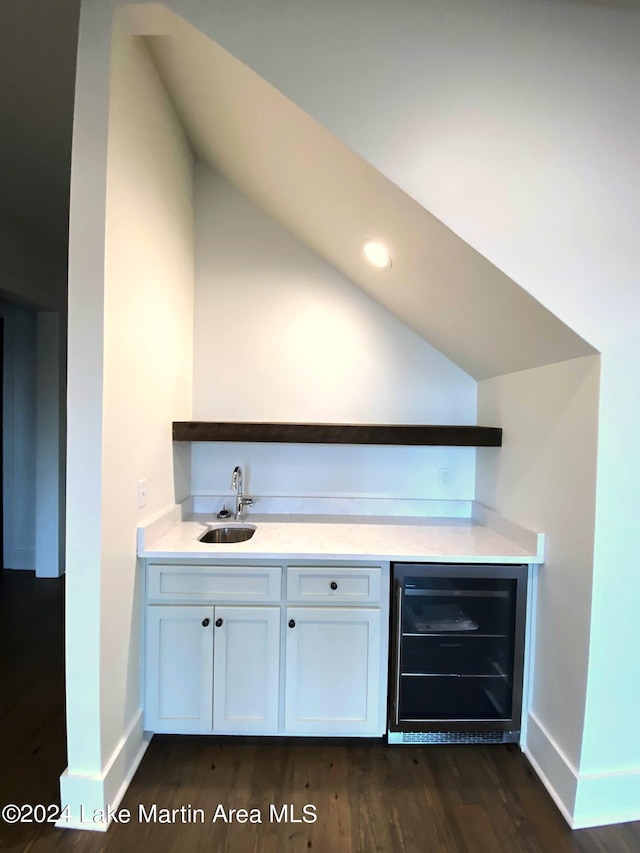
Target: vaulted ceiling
[(288, 164), (333, 200), (38, 41)]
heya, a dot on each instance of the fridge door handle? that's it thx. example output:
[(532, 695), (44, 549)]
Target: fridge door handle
[(398, 608)]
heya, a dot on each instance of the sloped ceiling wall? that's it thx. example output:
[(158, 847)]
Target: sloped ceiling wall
[(333, 200)]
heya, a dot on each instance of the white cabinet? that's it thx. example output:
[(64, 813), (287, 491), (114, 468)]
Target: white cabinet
[(332, 670), (212, 669), (179, 669), (220, 656), (246, 667)]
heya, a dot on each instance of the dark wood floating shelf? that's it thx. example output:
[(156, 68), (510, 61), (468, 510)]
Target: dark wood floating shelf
[(405, 434)]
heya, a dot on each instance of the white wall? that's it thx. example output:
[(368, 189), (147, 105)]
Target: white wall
[(19, 437), (516, 124), (545, 478), (130, 376), (610, 761), (148, 345), (50, 452), (33, 281), (280, 335)]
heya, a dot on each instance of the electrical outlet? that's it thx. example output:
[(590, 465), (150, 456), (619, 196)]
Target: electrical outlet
[(445, 477), (142, 493)]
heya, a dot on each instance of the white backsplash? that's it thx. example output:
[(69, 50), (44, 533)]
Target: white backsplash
[(348, 472), (337, 506)]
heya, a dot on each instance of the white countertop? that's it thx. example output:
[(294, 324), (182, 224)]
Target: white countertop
[(451, 540)]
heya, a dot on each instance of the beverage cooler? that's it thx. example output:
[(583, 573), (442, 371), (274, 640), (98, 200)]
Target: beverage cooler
[(457, 653)]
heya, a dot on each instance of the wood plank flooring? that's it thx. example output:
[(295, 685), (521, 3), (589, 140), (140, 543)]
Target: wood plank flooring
[(368, 797)]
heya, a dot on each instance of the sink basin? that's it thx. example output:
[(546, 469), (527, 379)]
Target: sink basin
[(222, 533)]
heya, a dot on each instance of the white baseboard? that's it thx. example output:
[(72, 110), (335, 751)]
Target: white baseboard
[(606, 798), (89, 799), (552, 766), (584, 799)]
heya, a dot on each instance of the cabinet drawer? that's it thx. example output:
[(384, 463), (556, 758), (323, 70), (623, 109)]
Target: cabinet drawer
[(195, 583), (341, 584)]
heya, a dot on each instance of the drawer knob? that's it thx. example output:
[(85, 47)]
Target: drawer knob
[(292, 623), (205, 622), (218, 623), (333, 585)]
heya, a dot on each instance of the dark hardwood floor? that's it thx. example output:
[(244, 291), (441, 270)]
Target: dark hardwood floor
[(368, 797)]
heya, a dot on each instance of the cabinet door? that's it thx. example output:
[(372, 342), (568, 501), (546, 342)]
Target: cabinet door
[(332, 670), (179, 669), (246, 669)]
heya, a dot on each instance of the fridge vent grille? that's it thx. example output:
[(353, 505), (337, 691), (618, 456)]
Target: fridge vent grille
[(451, 737)]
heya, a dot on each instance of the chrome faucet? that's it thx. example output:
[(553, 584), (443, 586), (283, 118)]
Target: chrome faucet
[(241, 501)]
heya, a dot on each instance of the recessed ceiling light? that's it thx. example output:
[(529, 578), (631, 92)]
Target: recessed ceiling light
[(376, 254)]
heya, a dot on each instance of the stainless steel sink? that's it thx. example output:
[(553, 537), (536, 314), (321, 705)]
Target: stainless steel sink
[(223, 533)]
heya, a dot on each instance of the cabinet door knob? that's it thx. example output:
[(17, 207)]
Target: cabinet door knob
[(218, 623), (205, 622), (292, 623), (333, 585)]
